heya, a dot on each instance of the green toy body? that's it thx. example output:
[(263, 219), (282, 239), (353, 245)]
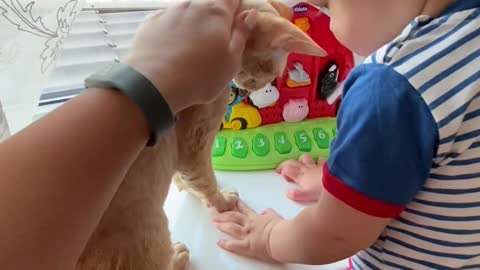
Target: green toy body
[(265, 147)]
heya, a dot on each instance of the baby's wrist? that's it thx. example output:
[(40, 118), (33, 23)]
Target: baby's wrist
[(270, 236)]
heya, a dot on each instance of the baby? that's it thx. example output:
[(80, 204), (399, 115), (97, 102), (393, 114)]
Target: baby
[(401, 188)]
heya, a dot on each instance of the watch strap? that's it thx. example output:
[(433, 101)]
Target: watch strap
[(140, 90)]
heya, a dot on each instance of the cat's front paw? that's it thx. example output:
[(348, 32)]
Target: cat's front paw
[(180, 257), (225, 201)]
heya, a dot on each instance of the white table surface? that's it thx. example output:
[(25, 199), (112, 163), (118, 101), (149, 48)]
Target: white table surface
[(191, 223)]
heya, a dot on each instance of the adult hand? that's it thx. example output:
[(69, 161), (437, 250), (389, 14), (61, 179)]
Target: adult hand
[(249, 230), (191, 50)]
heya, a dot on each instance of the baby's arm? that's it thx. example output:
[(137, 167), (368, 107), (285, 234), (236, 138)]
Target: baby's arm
[(379, 161), (326, 232)]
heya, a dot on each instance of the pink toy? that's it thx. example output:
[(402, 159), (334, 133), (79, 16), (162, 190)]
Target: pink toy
[(295, 110)]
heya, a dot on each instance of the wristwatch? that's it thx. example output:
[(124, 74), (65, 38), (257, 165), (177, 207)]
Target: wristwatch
[(125, 79)]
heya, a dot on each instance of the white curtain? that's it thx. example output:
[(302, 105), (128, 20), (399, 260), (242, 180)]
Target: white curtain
[(4, 130), (31, 35)]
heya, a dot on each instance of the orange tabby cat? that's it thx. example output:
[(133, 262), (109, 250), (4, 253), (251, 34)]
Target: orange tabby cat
[(133, 233)]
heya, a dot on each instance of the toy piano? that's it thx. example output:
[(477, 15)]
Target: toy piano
[(293, 115)]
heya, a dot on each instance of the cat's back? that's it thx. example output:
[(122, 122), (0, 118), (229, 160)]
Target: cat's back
[(134, 221)]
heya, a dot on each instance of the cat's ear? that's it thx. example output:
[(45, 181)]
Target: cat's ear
[(295, 40), (283, 9)]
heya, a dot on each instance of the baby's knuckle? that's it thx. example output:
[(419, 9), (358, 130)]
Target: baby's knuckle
[(214, 7), (239, 231)]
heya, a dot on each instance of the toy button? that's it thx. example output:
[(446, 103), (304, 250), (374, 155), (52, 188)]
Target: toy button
[(219, 146), (304, 143), (239, 148), (321, 137), (282, 145), (261, 145)]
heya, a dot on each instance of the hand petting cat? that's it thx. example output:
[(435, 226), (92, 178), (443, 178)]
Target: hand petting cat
[(202, 53)]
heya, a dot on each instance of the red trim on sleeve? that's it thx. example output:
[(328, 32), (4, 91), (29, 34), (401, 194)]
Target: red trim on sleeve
[(357, 200)]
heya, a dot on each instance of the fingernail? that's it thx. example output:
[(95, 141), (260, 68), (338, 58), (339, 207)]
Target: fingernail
[(251, 19)]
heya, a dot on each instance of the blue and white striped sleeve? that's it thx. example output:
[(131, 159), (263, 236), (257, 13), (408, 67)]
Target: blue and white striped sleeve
[(385, 145)]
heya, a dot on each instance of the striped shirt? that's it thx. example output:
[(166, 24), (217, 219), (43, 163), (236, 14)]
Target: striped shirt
[(408, 144)]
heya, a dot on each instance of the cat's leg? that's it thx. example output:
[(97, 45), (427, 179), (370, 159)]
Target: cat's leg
[(180, 257), (203, 185), (196, 130), (133, 233)]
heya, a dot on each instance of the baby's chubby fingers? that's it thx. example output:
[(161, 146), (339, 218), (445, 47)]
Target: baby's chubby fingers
[(245, 209), (240, 247), (231, 216), (232, 229), (292, 173), (306, 160), (302, 195), (289, 170), (287, 163)]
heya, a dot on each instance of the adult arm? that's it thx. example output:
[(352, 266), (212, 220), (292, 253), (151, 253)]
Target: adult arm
[(59, 175)]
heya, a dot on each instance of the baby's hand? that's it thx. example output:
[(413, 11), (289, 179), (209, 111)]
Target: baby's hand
[(305, 173), (250, 231)]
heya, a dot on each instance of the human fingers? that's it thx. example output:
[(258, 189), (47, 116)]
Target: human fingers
[(320, 161), (223, 10), (231, 228), (231, 216), (302, 195), (244, 24), (292, 173), (287, 163), (240, 247), (306, 159), (245, 209), (271, 212)]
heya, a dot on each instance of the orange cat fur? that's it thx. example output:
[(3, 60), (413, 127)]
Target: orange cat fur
[(133, 233)]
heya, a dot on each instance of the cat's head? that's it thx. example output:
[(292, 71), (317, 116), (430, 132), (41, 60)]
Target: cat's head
[(272, 39)]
